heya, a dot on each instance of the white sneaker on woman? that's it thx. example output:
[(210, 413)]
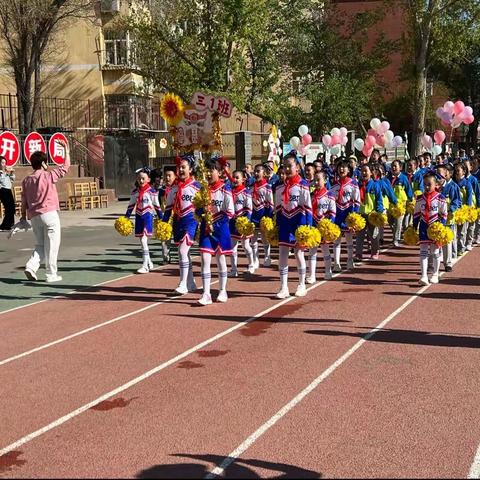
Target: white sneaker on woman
[(222, 296), (205, 299), (301, 291), (283, 293)]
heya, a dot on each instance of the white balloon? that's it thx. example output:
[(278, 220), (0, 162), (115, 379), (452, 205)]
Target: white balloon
[(437, 150), (335, 131), (359, 144), (374, 123), (294, 142), (389, 135), (302, 130), (343, 132)]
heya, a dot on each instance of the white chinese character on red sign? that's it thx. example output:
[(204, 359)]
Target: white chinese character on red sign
[(34, 146), (7, 149), (59, 149)]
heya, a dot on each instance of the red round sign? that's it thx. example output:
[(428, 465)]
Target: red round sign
[(9, 148), (33, 143), (56, 149)]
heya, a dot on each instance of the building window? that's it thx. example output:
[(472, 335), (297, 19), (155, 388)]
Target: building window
[(119, 49)]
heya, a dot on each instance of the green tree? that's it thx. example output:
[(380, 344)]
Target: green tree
[(439, 34)]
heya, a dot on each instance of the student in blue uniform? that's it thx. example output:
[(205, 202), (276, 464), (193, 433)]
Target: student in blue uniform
[(473, 227), (466, 192), (388, 194), (144, 200), (430, 207), (215, 240), (293, 208)]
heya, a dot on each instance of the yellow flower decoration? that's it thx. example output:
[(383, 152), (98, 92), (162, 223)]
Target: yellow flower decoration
[(410, 236), (171, 109), (355, 222), (377, 219), (162, 230), (244, 227), (439, 234), (124, 226), (307, 237), (329, 231), (397, 211)]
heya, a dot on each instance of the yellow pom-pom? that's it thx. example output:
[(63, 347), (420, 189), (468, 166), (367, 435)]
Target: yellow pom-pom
[(439, 234), (355, 222), (471, 215), (410, 207), (410, 236), (461, 215), (397, 211), (329, 231), (124, 226), (307, 237), (162, 230), (266, 224), (377, 219), (244, 227)]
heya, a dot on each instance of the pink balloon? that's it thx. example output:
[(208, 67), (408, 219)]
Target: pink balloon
[(366, 151), (327, 140), (370, 141), (468, 111), (386, 126), (440, 112), (469, 120), (307, 139), (301, 150), (335, 140), (439, 136), (446, 124), (427, 141), (381, 141), (448, 106), (458, 107), (371, 132), (343, 132), (343, 140)]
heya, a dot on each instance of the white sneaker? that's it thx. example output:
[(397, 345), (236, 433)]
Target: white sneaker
[(424, 281), (222, 296), (251, 269), (192, 286), (53, 278), (469, 248), (150, 265), (350, 265), (30, 274), (205, 299), (311, 280), (434, 279), (267, 262), (328, 275), (233, 274), (301, 291), (256, 264), (337, 268), (283, 293), (143, 269), (182, 289)]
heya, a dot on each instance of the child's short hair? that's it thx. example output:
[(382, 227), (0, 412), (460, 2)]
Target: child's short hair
[(37, 158), (309, 164), (260, 165), (323, 173), (146, 170), (430, 174), (343, 163), (169, 168), (293, 155), (239, 171), (398, 162), (211, 164)]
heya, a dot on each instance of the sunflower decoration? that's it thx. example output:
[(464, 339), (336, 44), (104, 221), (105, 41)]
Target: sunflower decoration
[(397, 211), (124, 226), (244, 227), (171, 109), (307, 237), (329, 231), (410, 236), (439, 234), (377, 219), (355, 222), (162, 230)]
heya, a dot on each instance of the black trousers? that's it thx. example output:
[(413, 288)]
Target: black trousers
[(6, 197)]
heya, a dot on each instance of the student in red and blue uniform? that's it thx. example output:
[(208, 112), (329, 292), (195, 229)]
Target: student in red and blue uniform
[(144, 200), (430, 207), (323, 207), (262, 206), (293, 208), (215, 240), (242, 201), (179, 204), (347, 200)]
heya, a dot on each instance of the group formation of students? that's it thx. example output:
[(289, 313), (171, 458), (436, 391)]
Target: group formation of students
[(298, 195)]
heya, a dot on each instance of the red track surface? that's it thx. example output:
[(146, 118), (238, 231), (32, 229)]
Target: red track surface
[(405, 404)]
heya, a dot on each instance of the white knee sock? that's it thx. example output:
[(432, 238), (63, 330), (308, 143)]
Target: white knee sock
[(301, 266), (435, 252), (234, 256), (283, 266), (349, 239), (248, 250), (206, 272), (222, 271), (145, 251), (184, 261), (337, 248), (327, 259), (312, 262), (424, 259)]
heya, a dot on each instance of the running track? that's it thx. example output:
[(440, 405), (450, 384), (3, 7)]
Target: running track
[(368, 376)]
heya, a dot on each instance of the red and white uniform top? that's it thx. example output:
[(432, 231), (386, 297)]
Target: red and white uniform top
[(221, 201)]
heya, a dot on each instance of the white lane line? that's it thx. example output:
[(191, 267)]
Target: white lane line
[(144, 376), (80, 290), (475, 468), (245, 445)]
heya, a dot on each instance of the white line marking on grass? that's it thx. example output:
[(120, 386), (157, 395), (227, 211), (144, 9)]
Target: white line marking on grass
[(245, 445)]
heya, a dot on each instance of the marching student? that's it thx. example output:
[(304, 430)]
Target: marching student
[(293, 208), (371, 200), (242, 200), (144, 200), (473, 227), (323, 206), (179, 204), (170, 177), (262, 206), (347, 200), (450, 190), (215, 238), (430, 207), (388, 193), (467, 199)]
